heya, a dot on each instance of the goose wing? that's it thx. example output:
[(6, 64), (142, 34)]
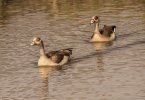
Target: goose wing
[(101, 31), (57, 56), (108, 30), (67, 51)]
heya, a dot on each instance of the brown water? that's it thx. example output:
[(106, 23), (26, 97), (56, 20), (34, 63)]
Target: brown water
[(113, 71)]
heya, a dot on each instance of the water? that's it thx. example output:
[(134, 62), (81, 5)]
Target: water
[(113, 71)]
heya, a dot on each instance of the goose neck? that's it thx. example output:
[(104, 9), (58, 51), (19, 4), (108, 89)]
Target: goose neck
[(42, 50), (96, 27)]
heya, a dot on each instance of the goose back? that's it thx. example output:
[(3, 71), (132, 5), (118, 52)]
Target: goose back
[(108, 30)]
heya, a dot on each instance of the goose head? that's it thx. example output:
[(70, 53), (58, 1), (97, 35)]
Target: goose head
[(94, 19), (36, 41)]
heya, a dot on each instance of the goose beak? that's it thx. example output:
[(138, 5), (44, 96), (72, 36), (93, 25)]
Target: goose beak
[(32, 44), (92, 21)]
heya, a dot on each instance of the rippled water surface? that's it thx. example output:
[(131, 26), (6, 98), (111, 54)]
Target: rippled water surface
[(98, 71)]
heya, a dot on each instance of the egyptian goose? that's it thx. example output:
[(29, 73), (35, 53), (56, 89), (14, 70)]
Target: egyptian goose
[(53, 58), (102, 35)]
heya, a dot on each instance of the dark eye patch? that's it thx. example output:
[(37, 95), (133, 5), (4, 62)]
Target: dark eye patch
[(37, 39), (96, 17)]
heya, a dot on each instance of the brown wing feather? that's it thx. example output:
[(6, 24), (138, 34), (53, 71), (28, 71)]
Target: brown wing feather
[(108, 30), (57, 56), (67, 52), (101, 31)]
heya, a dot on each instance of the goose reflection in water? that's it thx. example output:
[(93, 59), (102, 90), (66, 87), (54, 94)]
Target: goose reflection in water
[(45, 72), (100, 47)]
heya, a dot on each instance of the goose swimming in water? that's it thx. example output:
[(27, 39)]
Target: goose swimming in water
[(102, 35), (53, 58)]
